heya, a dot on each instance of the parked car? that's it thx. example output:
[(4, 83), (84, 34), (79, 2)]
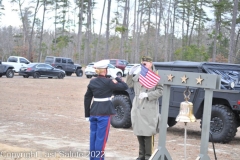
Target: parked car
[(37, 70), (90, 70), (225, 115), (119, 63), (6, 70), (128, 67), (65, 64), (17, 62)]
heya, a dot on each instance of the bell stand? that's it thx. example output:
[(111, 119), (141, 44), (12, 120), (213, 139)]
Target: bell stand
[(200, 80)]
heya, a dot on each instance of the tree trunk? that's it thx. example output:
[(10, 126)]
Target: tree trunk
[(107, 30), (41, 35), (97, 53), (232, 34), (80, 31)]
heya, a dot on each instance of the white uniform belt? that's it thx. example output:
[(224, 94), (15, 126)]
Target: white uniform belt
[(102, 99)]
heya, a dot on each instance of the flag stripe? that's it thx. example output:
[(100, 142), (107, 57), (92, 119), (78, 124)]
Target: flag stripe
[(148, 78)]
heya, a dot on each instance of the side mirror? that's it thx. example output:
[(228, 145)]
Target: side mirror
[(0, 62)]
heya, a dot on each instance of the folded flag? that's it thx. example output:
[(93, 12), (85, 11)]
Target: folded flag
[(148, 78)]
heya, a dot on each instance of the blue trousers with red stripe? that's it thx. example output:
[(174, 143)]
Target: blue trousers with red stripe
[(99, 129)]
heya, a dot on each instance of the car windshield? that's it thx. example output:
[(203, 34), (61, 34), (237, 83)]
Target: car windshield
[(90, 64)]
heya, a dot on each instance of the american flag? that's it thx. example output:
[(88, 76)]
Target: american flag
[(148, 78)]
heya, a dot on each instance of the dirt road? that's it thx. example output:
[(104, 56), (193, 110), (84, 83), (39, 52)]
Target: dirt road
[(43, 119)]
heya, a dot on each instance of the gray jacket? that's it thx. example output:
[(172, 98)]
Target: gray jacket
[(145, 112)]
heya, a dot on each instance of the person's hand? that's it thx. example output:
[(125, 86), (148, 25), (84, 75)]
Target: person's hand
[(87, 118), (112, 74), (133, 69), (143, 95)]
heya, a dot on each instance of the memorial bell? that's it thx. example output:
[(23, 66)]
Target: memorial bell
[(186, 110)]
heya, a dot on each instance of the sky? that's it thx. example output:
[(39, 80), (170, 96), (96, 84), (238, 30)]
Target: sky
[(12, 18)]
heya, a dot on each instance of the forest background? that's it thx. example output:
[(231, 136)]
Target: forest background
[(193, 30)]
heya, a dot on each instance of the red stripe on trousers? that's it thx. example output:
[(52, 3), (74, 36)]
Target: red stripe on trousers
[(106, 136)]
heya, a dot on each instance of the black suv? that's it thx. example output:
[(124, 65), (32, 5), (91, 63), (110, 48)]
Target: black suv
[(225, 117), (6, 70), (65, 64)]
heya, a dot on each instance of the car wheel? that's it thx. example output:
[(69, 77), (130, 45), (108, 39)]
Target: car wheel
[(79, 72), (0, 75), (49, 77), (122, 118), (89, 76), (25, 76), (10, 73), (119, 74), (223, 124), (36, 75), (60, 76)]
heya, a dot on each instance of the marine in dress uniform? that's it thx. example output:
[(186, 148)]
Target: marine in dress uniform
[(145, 110), (99, 111)]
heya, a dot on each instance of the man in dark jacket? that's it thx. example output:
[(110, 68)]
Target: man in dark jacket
[(99, 113)]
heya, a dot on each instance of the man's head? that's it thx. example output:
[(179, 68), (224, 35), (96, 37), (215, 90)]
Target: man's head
[(147, 62), (101, 67)]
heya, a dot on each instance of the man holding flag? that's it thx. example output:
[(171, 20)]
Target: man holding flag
[(145, 107)]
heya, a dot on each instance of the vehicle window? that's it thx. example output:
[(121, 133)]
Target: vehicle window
[(70, 61), (58, 60), (64, 61), (90, 65), (49, 60), (12, 59), (47, 66), (23, 61), (120, 63), (111, 66), (125, 62), (41, 66), (113, 62)]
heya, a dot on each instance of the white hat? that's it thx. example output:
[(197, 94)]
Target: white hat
[(102, 64)]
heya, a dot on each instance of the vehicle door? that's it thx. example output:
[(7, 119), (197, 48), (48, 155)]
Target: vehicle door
[(64, 64), (50, 71), (41, 69), (111, 69), (70, 66)]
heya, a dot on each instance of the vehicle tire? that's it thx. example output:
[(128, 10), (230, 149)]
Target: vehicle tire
[(68, 73), (119, 74), (223, 125), (25, 76), (171, 121), (89, 76), (36, 75), (0, 75), (60, 76), (49, 77), (79, 72), (10, 73), (122, 118)]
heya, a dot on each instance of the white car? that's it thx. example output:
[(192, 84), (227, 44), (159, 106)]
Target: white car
[(129, 66), (90, 70)]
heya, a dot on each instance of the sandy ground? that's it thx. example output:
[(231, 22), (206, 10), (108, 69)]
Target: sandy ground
[(43, 119)]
